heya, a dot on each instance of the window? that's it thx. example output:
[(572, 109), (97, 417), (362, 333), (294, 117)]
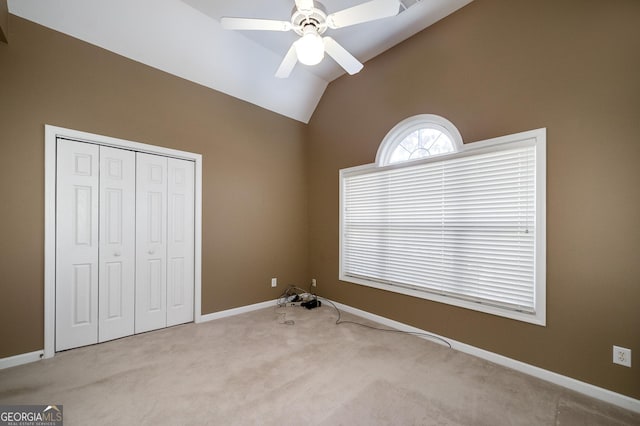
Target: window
[(417, 137), (465, 228)]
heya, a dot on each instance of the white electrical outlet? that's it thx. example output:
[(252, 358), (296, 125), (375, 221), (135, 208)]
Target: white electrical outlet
[(313, 282), (274, 282), (622, 356)]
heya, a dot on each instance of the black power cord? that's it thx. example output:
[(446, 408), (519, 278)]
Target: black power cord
[(286, 297), (293, 289)]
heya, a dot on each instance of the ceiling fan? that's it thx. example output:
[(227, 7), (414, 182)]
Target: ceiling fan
[(310, 21)]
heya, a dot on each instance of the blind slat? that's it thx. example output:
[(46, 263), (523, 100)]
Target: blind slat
[(463, 227)]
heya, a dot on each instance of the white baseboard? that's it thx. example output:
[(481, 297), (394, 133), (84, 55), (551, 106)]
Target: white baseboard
[(549, 376), (16, 360), (236, 311)]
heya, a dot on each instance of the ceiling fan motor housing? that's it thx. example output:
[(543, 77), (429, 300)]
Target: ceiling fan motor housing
[(315, 17)]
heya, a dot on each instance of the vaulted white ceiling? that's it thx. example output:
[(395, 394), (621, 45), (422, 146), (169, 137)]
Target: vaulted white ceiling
[(184, 38)]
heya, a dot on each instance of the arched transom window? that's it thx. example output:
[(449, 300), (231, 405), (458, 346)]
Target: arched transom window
[(452, 223), (418, 137)]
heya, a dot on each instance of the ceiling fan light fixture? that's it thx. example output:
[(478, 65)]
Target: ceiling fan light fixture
[(309, 20), (310, 48)]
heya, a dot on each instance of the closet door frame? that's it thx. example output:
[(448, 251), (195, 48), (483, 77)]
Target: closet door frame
[(51, 135)]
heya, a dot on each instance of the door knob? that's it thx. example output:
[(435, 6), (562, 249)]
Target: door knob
[(117, 254), (151, 251)]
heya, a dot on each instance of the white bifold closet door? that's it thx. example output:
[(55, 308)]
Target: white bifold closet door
[(76, 244), (124, 243), (180, 234), (95, 244), (151, 242), (117, 243), (165, 242)]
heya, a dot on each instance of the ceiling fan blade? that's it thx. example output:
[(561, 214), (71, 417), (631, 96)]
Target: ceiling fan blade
[(345, 59), (304, 4), (369, 11), (254, 24), (290, 60)]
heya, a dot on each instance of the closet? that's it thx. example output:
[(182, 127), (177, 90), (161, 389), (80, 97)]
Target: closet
[(124, 243)]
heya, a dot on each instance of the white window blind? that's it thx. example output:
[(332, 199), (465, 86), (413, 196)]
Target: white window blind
[(462, 227)]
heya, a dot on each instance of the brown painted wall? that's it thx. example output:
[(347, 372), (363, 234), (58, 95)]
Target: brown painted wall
[(502, 67), (254, 192), (493, 68)]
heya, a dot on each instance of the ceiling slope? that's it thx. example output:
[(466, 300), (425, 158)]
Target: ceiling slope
[(184, 38)]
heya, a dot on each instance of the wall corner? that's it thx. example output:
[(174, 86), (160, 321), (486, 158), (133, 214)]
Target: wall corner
[(4, 21)]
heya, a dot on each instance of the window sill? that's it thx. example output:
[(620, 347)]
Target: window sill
[(537, 318)]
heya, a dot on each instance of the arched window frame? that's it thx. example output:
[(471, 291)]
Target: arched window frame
[(409, 125), (374, 220)]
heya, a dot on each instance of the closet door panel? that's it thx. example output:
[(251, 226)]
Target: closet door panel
[(117, 243), (180, 249), (151, 242), (76, 244)]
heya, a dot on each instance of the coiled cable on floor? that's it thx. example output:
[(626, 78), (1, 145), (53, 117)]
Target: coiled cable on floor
[(281, 303), (339, 321)]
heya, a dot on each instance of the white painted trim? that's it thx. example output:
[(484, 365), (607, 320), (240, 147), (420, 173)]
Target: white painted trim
[(541, 224), (51, 133), (409, 125), (49, 241), (26, 358), (16, 360), (537, 138), (197, 313), (237, 311), (602, 394)]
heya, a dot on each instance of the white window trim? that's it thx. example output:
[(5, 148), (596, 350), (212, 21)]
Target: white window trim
[(51, 134), (409, 125), (539, 317)]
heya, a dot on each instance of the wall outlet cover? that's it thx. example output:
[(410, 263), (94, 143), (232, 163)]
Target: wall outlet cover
[(622, 356)]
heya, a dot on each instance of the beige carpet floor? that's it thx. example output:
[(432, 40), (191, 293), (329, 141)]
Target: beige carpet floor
[(252, 369)]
